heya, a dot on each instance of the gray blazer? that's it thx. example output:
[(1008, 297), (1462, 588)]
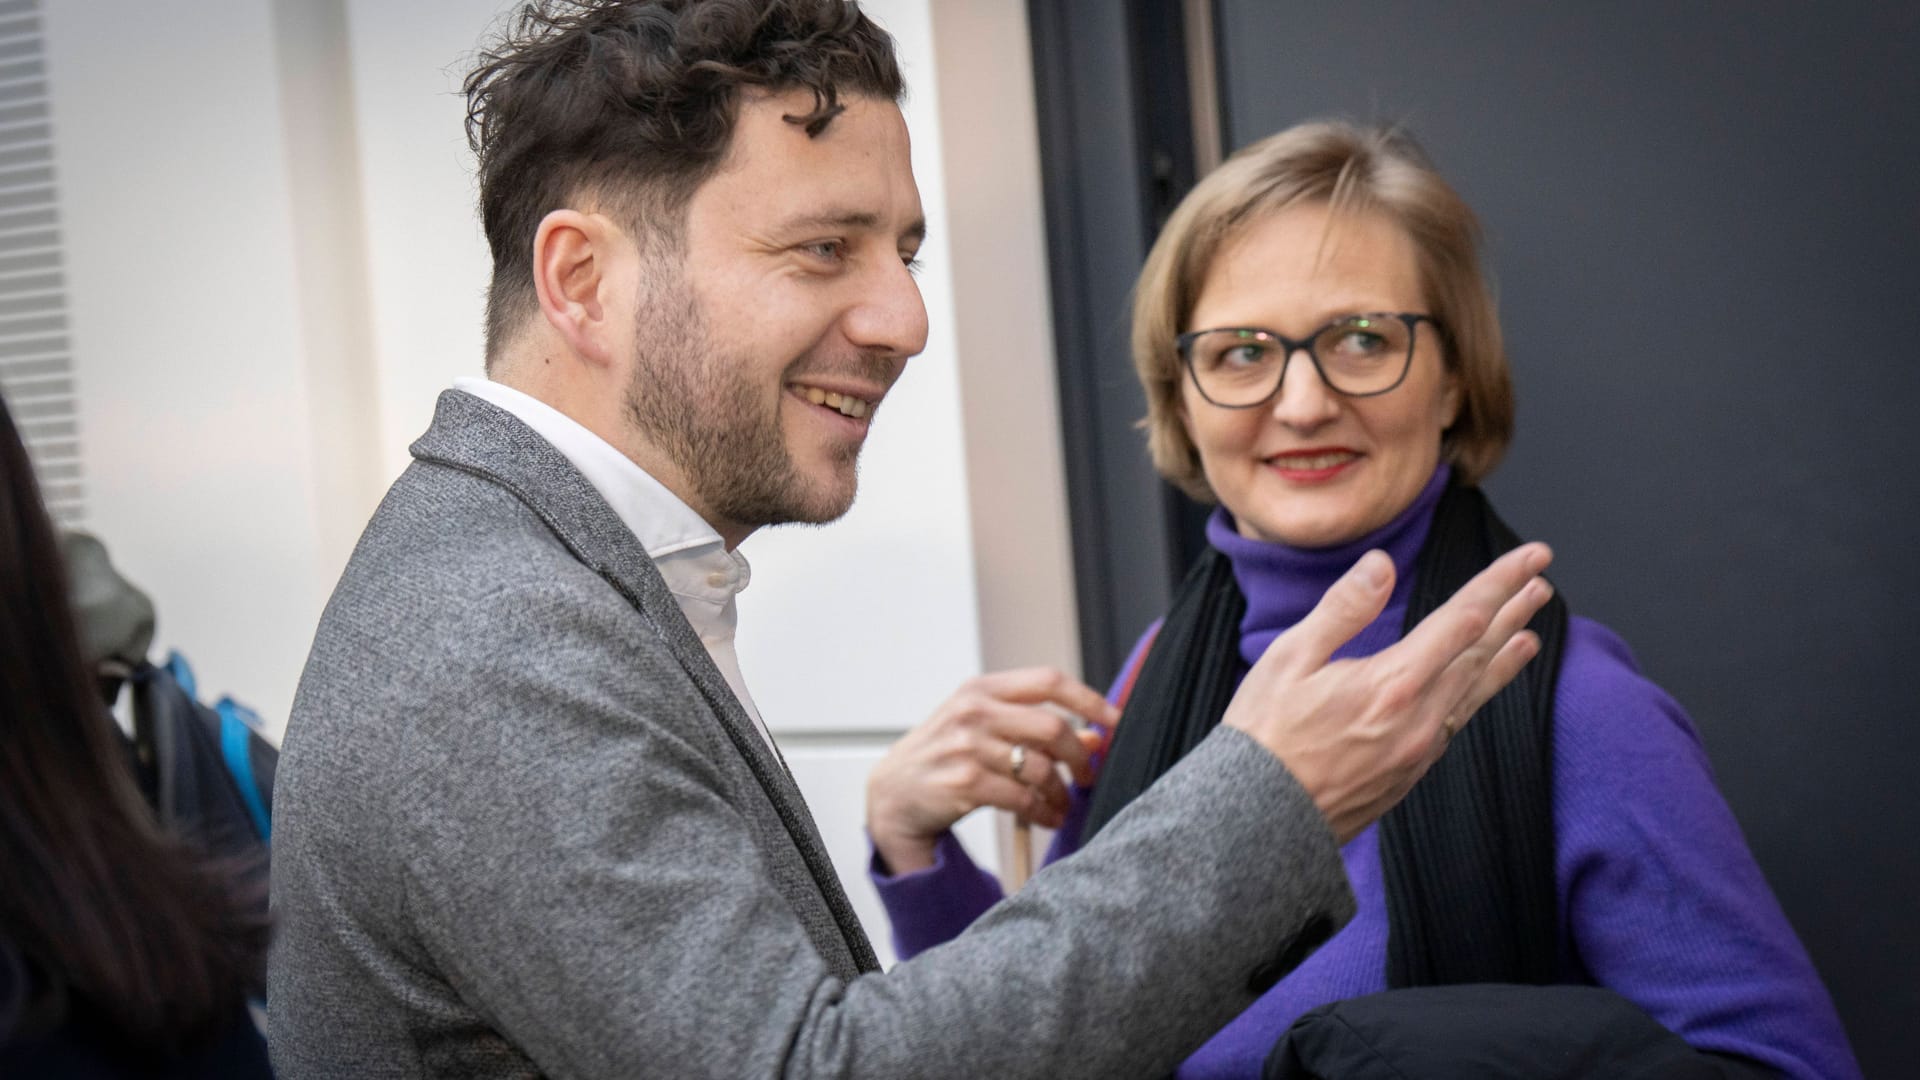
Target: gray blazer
[(523, 829)]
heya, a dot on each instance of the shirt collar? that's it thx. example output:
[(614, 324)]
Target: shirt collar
[(657, 517)]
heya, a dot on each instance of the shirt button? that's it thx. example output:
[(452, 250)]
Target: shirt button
[(717, 579)]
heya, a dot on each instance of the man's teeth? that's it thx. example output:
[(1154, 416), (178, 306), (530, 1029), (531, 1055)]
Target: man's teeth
[(845, 404), (1309, 462)]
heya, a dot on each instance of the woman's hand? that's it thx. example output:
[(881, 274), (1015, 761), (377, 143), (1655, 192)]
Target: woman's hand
[(963, 757)]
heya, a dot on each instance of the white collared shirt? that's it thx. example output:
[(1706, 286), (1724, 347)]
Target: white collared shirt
[(702, 574)]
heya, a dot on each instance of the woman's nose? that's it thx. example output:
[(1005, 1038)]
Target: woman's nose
[(1305, 401)]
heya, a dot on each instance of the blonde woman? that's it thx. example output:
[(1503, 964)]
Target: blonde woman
[(1321, 359)]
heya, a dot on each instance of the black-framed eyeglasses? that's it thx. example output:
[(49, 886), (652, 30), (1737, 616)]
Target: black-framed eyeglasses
[(1240, 367)]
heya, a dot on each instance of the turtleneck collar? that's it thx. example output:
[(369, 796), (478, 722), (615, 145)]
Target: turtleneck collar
[(1282, 583)]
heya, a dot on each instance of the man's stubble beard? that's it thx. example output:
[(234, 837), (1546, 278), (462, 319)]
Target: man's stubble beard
[(704, 411)]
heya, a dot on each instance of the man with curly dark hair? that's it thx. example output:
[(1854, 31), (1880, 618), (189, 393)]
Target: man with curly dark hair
[(528, 820)]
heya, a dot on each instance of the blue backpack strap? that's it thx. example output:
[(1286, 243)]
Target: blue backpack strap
[(182, 672), (237, 724)]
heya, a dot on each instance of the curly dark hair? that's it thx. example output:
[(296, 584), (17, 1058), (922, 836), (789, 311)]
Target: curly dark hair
[(631, 104)]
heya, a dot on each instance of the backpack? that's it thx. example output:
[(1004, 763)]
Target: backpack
[(206, 770)]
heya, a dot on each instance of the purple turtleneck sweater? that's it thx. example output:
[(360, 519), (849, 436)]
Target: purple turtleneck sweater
[(1659, 898)]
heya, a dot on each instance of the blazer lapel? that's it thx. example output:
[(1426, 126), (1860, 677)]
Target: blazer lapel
[(478, 437)]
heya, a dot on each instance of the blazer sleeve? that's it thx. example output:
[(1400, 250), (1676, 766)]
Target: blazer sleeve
[(573, 865), (1661, 899)]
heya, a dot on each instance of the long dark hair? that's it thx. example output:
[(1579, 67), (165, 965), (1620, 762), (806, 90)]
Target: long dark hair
[(100, 911)]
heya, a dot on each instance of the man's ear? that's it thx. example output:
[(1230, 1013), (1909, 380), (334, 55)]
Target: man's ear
[(581, 263)]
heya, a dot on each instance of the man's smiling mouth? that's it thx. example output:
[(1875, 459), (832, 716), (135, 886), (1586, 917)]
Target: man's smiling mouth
[(845, 404)]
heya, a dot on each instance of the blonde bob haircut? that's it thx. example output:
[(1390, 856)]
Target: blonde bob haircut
[(1355, 170)]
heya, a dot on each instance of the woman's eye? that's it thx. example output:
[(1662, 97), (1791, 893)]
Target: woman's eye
[(1361, 343), (1244, 355)]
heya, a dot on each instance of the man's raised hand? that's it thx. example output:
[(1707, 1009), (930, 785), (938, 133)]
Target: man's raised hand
[(1357, 734)]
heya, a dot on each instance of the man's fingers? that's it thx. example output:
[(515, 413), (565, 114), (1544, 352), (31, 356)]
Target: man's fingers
[(1507, 663), (1467, 671), (1347, 608), (1464, 620)]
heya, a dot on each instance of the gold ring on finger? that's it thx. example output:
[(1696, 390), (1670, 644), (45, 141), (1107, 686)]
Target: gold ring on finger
[(1017, 760)]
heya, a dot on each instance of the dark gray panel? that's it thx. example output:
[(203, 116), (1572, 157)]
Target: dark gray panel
[(1703, 221), (1096, 193)]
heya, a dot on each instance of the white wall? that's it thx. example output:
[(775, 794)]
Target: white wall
[(276, 268), (427, 261), (189, 358)]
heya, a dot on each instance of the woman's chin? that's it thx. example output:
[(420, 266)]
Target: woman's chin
[(1302, 531)]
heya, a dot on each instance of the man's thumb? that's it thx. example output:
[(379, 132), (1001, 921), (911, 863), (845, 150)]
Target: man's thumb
[(1347, 608)]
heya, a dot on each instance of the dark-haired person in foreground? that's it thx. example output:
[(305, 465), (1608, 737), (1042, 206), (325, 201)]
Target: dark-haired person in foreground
[(123, 953), (528, 821)]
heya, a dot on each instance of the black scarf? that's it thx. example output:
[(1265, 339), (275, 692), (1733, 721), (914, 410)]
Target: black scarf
[(1468, 856)]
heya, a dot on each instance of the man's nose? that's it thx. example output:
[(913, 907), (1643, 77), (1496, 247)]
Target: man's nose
[(1305, 401), (889, 317)]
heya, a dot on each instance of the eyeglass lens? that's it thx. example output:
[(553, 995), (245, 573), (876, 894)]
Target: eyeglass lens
[(1359, 355)]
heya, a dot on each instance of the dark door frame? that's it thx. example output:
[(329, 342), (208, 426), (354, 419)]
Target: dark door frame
[(1117, 154)]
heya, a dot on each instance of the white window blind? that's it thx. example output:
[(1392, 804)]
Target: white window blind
[(36, 353)]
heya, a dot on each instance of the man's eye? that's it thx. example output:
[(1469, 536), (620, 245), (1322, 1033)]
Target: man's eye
[(826, 250), (911, 262)]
